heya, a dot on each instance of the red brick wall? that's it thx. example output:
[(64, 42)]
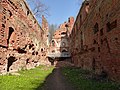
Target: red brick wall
[(103, 49), (20, 36)]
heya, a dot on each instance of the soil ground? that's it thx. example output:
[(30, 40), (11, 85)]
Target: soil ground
[(57, 81)]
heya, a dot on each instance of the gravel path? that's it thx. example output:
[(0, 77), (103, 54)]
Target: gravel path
[(56, 81)]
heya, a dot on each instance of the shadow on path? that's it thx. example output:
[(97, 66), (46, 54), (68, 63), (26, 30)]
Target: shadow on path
[(56, 81)]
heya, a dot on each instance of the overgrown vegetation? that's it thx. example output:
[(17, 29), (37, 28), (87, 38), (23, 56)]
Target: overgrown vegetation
[(27, 80), (82, 80)]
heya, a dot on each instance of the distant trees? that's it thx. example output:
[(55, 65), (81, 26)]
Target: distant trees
[(39, 9), (52, 29)]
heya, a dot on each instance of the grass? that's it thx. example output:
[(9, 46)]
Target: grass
[(27, 80), (78, 78)]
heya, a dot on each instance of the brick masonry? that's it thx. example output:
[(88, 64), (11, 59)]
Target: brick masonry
[(21, 37), (59, 42), (96, 37)]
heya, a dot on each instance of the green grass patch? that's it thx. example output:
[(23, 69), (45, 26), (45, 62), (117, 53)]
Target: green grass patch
[(79, 78), (27, 80)]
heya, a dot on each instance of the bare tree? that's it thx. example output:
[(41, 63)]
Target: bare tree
[(38, 8)]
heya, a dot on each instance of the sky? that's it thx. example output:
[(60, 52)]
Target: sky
[(60, 10)]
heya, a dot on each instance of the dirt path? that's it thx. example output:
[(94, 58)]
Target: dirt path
[(56, 81)]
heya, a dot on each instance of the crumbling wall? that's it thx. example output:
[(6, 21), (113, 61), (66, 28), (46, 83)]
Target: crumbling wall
[(20, 37), (96, 37)]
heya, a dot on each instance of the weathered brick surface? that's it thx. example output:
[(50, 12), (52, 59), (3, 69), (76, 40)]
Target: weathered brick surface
[(21, 37), (97, 49), (59, 42)]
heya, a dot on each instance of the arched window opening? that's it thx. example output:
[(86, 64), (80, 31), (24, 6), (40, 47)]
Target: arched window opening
[(11, 30), (53, 43), (64, 50)]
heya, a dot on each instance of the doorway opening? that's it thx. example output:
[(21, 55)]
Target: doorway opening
[(11, 59)]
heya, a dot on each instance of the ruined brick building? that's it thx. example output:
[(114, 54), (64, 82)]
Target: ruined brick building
[(59, 46), (95, 38), (21, 37), (45, 27)]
